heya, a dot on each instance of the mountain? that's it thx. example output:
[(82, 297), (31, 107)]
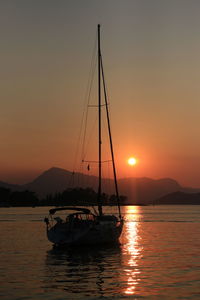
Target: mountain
[(50, 182), (13, 187), (138, 190), (146, 190), (57, 180), (180, 198)]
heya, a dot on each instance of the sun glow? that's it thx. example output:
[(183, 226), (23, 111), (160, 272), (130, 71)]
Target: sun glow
[(132, 161)]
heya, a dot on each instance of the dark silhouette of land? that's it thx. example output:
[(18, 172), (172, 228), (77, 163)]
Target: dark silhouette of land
[(179, 198), (77, 196), (57, 186)]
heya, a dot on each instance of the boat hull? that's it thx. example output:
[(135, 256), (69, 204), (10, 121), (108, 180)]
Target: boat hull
[(92, 234)]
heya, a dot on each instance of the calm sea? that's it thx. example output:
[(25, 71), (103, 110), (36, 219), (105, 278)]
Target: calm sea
[(159, 258)]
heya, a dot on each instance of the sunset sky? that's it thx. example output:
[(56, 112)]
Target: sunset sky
[(151, 52)]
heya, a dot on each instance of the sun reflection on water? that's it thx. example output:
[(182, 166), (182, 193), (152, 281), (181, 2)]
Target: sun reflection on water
[(132, 251)]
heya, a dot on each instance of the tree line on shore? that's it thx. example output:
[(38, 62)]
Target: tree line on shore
[(76, 196)]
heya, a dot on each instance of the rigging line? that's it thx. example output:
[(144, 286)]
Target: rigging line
[(105, 137), (86, 115), (104, 128), (95, 161), (89, 138), (110, 137), (108, 172), (93, 68), (96, 105), (87, 93)]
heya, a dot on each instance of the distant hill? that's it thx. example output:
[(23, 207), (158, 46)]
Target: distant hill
[(138, 190), (51, 181), (57, 180), (180, 198), (13, 187), (146, 190)]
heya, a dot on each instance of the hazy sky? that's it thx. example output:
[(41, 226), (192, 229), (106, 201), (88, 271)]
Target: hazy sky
[(151, 55)]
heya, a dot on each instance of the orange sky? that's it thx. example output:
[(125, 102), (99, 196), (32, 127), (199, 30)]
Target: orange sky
[(151, 59)]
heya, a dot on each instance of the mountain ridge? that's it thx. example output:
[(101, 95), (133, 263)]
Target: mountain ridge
[(137, 190)]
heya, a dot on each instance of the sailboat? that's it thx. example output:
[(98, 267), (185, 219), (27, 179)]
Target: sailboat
[(81, 226)]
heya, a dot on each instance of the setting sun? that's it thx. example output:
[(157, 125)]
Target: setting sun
[(132, 161)]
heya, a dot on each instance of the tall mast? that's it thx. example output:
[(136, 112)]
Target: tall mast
[(99, 112)]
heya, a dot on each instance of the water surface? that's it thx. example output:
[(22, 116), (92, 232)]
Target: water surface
[(159, 257)]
